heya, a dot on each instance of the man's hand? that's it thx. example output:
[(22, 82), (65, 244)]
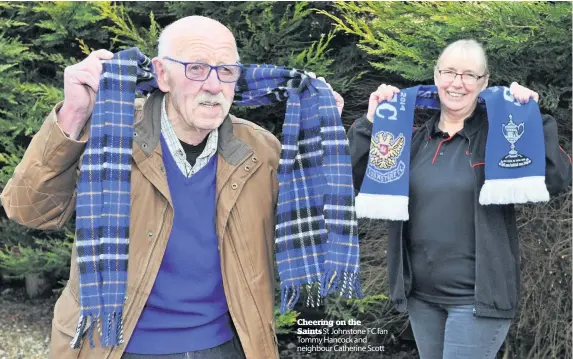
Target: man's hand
[(339, 101), (383, 93), (81, 82), (522, 94), (337, 97)]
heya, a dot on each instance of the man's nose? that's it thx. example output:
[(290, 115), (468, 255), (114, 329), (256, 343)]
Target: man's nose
[(212, 83)]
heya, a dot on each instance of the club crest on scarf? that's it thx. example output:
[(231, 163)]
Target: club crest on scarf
[(512, 134), (384, 165)]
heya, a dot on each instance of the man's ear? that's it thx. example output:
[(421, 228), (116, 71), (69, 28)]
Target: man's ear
[(162, 74)]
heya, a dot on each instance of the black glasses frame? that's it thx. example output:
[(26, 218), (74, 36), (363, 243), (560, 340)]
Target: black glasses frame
[(472, 76)]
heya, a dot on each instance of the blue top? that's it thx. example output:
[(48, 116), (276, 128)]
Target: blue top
[(186, 310)]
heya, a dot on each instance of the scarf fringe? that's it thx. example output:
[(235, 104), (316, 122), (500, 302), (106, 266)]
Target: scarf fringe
[(514, 190), (76, 340), (346, 283), (289, 297), (111, 332), (382, 206), (313, 297)]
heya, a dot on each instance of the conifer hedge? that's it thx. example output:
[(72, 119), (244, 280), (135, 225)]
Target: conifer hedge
[(356, 46)]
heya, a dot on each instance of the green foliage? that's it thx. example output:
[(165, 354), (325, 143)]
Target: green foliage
[(44, 256), (342, 308), (284, 322), (266, 32), (363, 304), (15, 89), (35, 41), (24, 252), (126, 32), (408, 37), (67, 20)]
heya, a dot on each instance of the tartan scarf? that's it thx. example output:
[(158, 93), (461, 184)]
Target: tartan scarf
[(103, 198), (316, 230), (316, 237)]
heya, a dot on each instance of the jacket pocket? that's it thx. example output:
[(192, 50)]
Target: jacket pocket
[(64, 323)]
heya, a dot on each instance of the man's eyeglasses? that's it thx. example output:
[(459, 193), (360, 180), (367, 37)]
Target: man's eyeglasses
[(200, 71), (468, 79)]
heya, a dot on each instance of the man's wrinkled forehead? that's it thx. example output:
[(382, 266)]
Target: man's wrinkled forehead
[(199, 47), (199, 39)]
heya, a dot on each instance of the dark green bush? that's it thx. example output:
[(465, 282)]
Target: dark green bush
[(398, 43)]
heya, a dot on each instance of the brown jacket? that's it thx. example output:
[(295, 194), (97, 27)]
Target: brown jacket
[(42, 194)]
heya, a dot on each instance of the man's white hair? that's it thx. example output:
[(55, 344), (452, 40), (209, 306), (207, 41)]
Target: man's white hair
[(468, 48), (165, 46)]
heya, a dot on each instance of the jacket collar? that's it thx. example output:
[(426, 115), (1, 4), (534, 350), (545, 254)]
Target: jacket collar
[(147, 132)]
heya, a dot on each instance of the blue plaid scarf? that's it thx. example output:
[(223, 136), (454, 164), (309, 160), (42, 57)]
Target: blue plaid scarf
[(103, 199), (514, 152), (316, 242), (316, 226)]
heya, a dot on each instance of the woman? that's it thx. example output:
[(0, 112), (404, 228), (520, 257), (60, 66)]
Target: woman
[(454, 266)]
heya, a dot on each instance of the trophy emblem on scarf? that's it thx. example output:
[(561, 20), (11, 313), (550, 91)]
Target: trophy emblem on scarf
[(512, 134)]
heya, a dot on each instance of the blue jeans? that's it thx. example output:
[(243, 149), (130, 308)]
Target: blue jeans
[(228, 350), (453, 332)]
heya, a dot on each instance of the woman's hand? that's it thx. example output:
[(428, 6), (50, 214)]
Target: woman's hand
[(522, 94), (383, 93)]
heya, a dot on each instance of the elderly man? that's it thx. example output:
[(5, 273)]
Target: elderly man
[(200, 274)]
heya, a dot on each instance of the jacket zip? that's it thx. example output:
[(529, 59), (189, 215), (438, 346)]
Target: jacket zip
[(129, 309), (426, 144), (402, 250), (232, 216), (475, 217), (246, 279)]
